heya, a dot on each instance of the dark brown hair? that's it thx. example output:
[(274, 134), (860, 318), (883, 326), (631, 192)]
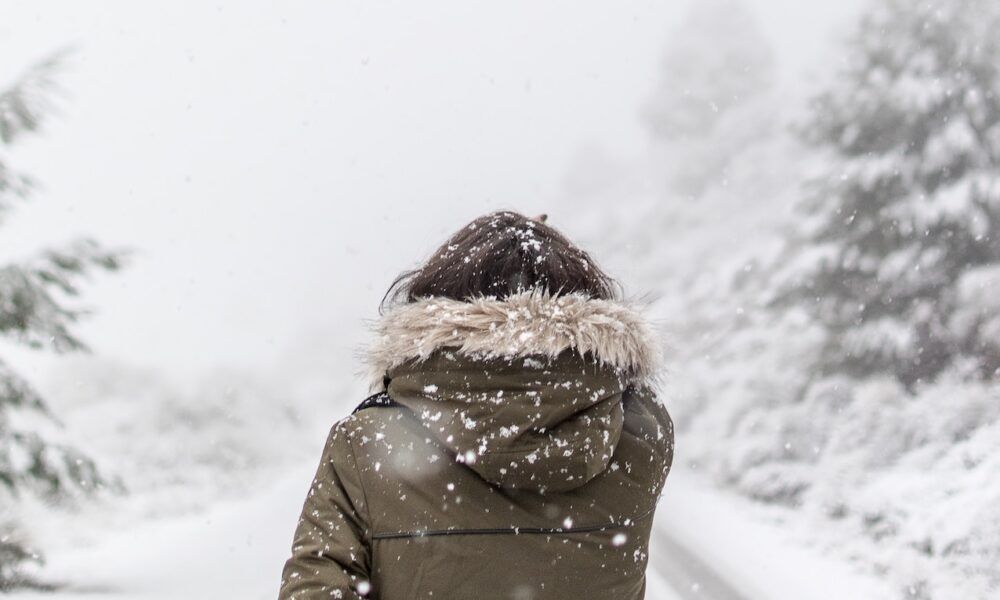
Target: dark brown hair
[(501, 254)]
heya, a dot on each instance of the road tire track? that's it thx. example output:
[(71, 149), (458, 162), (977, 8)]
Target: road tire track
[(689, 576)]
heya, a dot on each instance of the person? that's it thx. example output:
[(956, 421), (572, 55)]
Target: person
[(514, 448)]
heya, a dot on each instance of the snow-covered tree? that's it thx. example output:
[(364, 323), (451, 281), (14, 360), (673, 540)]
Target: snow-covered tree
[(901, 251), (36, 310)]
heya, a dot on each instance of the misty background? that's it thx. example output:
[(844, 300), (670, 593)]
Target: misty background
[(267, 170), (255, 156)]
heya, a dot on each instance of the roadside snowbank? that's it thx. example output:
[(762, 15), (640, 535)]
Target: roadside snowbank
[(235, 549), (755, 551)]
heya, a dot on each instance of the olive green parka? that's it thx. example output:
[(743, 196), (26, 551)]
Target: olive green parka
[(515, 451)]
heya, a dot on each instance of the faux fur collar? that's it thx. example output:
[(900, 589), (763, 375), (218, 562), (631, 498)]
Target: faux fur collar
[(530, 323)]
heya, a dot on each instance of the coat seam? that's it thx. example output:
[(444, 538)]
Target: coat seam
[(514, 530), (364, 493)]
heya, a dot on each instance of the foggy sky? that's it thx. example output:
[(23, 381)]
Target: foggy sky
[(274, 165)]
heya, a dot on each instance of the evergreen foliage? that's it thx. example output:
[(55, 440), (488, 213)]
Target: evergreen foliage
[(900, 259), (35, 310)]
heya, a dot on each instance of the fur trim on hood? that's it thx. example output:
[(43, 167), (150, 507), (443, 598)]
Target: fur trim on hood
[(533, 323)]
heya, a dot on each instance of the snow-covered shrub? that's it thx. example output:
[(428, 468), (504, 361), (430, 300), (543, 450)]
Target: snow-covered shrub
[(903, 481), (177, 447)]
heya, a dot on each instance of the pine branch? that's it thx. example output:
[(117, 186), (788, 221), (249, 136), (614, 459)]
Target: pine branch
[(31, 309), (15, 554), (14, 184), (26, 104), (59, 267), (17, 393), (24, 107)]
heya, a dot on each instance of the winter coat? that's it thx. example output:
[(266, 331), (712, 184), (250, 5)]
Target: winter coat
[(516, 451)]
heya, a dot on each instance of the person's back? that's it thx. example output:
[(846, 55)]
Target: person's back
[(515, 449)]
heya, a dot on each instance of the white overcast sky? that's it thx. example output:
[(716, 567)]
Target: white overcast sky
[(275, 164)]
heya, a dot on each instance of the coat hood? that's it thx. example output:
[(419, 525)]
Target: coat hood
[(526, 391)]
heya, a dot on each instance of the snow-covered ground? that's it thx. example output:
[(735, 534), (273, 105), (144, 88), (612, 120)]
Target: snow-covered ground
[(703, 542), (706, 541), (233, 549)]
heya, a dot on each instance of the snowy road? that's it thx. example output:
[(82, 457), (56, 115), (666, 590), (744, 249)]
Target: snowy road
[(704, 548), (679, 573), (709, 545)]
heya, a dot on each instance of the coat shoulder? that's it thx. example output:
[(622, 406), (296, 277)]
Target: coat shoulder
[(371, 419), (648, 423), (646, 414)]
